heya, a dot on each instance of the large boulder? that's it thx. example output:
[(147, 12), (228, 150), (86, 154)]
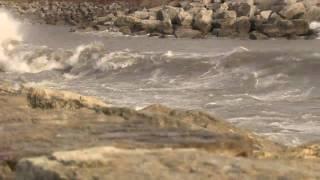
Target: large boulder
[(254, 35), (128, 21), (157, 26), (242, 9), (226, 16), (182, 32), (203, 20), (301, 26), (128, 24), (5, 171), (185, 19), (313, 14), (163, 15), (243, 25), (286, 28), (293, 11), (311, 3), (274, 17), (206, 2), (166, 26), (173, 13), (104, 19), (151, 26), (224, 23), (141, 14), (271, 30), (274, 5), (265, 14)]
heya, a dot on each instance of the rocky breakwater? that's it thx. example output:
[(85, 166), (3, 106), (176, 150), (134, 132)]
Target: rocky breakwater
[(242, 18), (254, 19), (84, 15), (49, 134)]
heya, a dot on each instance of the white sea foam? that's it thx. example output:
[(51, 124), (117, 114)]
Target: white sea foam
[(316, 27)]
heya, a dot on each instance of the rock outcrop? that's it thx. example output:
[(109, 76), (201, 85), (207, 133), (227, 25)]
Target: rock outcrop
[(48, 134), (51, 99), (188, 164), (274, 19)]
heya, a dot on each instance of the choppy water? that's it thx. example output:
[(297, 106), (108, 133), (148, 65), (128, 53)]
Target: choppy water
[(270, 87)]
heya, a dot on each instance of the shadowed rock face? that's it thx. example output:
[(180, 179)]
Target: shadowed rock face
[(165, 139)]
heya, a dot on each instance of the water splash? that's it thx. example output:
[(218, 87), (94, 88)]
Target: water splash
[(9, 28), (316, 27), (9, 36)]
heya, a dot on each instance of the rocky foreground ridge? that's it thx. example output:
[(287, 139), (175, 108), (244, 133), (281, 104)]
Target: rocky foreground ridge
[(254, 19), (48, 134)]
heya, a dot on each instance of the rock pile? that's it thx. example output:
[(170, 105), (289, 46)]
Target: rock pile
[(254, 19), (244, 19)]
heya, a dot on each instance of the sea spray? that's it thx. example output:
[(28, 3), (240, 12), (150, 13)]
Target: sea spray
[(15, 56), (315, 26), (9, 36), (9, 28)]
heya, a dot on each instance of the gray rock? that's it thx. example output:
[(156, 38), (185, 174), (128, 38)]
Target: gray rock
[(104, 19), (293, 11), (271, 30), (151, 26), (125, 30), (301, 26), (242, 9), (243, 25), (141, 14), (165, 26), (313, 14), (274, 17), (173, 13), (311, 3), (224, 23), (128, 21), (266, 14), (203, 20), (163, 15), (185, 18), (254, 35), (182, 32), (286, 28), (184, 4)]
